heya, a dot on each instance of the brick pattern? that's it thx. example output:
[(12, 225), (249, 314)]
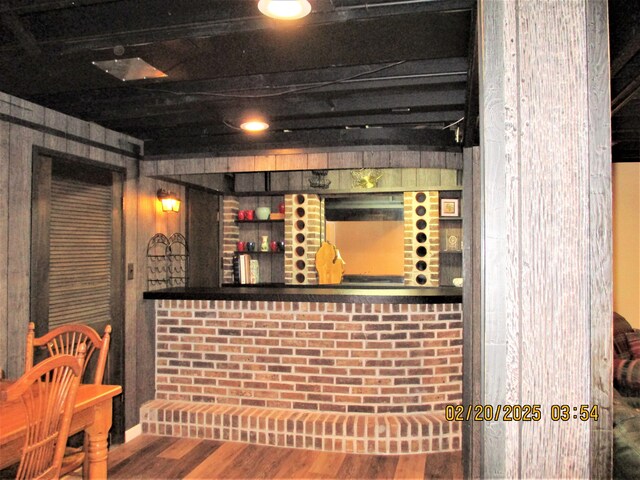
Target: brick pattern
[(231, 235), (359, 358), (303, 222), (334, 376), (350, 433), (422, 239)]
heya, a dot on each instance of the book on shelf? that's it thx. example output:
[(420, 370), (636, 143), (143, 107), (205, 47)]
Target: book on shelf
[(245, 270)]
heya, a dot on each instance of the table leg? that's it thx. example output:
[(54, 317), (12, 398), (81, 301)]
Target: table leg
[(98, 446)]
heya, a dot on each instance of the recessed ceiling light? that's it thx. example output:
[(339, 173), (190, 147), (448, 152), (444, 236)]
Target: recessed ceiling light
[(285, 9), (254, 125)]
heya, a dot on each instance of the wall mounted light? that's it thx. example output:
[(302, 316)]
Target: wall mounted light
[(284, 9), (170, 201)]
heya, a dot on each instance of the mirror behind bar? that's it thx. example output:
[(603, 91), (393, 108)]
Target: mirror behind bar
[(369, 232)]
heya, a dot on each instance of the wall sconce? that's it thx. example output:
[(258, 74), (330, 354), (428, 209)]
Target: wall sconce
[(170, 201)]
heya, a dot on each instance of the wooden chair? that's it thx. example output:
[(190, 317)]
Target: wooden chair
[(48, 392), (66, 339)]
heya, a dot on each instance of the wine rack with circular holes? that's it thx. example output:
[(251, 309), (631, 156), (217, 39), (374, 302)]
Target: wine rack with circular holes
[(302, 238), (422, 239)]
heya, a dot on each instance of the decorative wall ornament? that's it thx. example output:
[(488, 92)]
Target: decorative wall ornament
[(366, 177), (319, 179)]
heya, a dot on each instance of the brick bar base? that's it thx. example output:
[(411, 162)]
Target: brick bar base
[(350, 433), (348, 377)]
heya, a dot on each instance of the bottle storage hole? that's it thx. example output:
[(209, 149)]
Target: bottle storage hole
[(300, 225), (300, 278), (420, 211), (300, 265), (421, 224), (300, 251), (300, 238), (421, 197), (421, 279), (421, 251), (300, 212), (421, 265), (299, 199), (421, 237)]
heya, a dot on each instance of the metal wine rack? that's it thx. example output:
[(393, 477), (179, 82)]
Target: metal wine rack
[(167, 261)]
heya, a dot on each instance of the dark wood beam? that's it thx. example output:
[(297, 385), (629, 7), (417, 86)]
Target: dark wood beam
[(212, 21), (628, 93), (242, 143), (20, 7), (408, 120), (320, 80), (24, 37), (624, 18), (198, 109)]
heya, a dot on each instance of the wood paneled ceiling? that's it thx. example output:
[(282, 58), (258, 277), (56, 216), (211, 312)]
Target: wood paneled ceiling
[(354, 72)]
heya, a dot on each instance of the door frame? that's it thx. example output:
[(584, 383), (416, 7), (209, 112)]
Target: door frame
[(42, 164)]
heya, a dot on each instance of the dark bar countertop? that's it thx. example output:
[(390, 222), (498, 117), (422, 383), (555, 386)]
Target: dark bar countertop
[(328, 293)]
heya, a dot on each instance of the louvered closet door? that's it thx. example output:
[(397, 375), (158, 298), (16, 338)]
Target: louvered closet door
[(80, 253), (77, 257)]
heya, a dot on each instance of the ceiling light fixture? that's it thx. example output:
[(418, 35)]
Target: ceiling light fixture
[(284, 9), (254, 125)]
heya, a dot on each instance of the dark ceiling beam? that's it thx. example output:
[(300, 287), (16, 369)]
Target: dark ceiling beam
[(131, 34), (24, 37), (360, 77), (625, 55), (629, 92), (21, 7), (400, 120), (240, 143), (232, 112), (624, 18)]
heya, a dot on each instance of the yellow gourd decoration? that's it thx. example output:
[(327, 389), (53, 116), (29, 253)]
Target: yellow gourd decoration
[(329, 264)]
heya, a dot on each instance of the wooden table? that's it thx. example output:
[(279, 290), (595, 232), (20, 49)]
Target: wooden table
[(92, 413)]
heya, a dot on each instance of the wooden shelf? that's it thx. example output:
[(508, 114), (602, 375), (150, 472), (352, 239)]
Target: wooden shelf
[(259, 252), (450, 218), (451, 251), (260, 221)]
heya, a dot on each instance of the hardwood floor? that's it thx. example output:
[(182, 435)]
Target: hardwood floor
[(154, 457)]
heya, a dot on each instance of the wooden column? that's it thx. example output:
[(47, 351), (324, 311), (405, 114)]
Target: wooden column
[(545, 199)]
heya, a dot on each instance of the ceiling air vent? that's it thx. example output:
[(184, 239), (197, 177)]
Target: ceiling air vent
[(127, 69)]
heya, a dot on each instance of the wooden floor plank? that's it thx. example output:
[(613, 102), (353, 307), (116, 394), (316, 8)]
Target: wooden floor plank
[(326, 465), (370, 467), (410, 467), (216, 463), (256, 462), (179, 468), (443, 465), (297, 465), (180, 448), (164, 458), (121, 452), (142, 460)]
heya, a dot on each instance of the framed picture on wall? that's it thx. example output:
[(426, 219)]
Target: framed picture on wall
[(449, 207)]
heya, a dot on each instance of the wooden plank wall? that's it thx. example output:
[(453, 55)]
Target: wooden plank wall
[(546, 238), (141, 216), (348, 160)]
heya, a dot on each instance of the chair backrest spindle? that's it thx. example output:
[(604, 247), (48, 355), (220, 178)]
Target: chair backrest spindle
[(48, 393), (65, 340)]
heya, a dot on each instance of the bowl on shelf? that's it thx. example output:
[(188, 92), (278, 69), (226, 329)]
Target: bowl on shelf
[(457, 282), (262, 213)]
